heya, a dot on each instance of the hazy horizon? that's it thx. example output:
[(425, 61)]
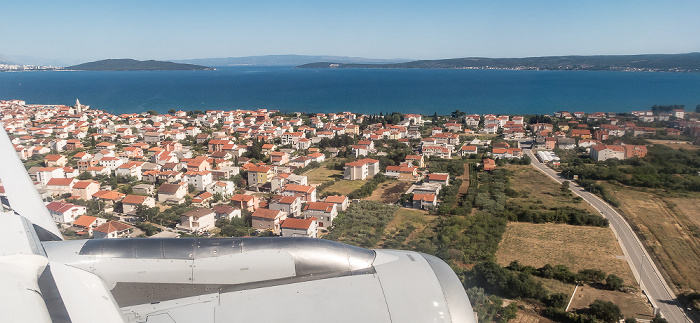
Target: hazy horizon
[(82, 31)]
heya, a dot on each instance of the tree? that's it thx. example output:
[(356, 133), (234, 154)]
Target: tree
[(605, 311), (697, 108), (614, 282), (85, 176), (172, 111), (564, 188)]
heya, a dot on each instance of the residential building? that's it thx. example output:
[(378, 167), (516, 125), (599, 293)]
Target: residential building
[(361, 169), (289, 204), (605, 152), (88, 223), (131, 202), (259, 175), (132, 169), (307, 193), (199, 179), (424, 201), (438, 178), (438, 151), (55, 160), (60, 186), (404, 173), (278, 158), (246, 202), (198, 220), (45, 174), (111, 230), (225, 188), (224, 211), (416, 160), (109, 197), (65, 212), (172, 193), (324, 212), (340, 201), (85, 189)]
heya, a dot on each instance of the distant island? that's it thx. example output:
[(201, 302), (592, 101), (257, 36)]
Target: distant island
[(134, 65), (650, 63), (286, 60)]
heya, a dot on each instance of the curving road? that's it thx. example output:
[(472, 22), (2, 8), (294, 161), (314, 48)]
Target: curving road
[(648, 276)]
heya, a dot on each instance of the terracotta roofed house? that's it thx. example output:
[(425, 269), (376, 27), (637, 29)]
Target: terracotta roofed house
[(111, 229), (340, 201)]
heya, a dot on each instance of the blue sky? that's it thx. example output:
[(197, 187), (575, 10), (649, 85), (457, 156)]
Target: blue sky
[(78, 31)]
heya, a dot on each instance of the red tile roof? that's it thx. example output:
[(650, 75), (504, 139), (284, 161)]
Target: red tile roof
[(113, 226), (294, 223), (266, 214)]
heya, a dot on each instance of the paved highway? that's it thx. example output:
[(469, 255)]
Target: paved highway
[(651, 281)]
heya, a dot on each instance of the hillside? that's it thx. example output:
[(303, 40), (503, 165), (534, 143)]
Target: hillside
[(134, 65), (654, 63)]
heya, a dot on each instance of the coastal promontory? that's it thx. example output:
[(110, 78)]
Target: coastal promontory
[(135, 65), (689, 62)]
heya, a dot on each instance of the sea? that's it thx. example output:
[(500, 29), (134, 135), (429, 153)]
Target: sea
[(367, 91)]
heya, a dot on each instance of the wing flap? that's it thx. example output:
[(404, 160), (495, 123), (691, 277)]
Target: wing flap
[(86, 297)]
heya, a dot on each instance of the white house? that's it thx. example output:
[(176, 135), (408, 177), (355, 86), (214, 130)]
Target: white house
[(198, 220), (199, 179), (289, 204), (65, 212), (225, 188), (323, 211)]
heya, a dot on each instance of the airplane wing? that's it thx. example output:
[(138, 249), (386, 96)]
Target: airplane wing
[(212, 280)]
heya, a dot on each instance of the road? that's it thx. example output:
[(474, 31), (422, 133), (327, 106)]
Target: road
[(651, 281)]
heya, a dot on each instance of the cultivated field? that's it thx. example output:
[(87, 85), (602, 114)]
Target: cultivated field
[(576, 247), (344, 187), (322, 174), (389, 191), (669, 229), (675, 144), (540, 190), (403, 217)]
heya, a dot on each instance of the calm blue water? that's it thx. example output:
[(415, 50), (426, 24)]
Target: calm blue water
[(358, 90)]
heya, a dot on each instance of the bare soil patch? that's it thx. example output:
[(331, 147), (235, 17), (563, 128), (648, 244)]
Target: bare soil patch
[(632, 305), (389, 191), (576, 247), (465, 181)]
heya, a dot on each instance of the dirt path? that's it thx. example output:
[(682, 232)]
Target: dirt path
[(465, 181)]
